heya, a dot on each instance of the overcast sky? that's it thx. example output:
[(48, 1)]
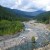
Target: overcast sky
[(27, 5)]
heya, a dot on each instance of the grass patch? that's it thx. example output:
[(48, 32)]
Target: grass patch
[(10, 27)]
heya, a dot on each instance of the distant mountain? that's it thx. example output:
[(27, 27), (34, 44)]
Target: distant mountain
[(9, 14), (19, 13), (24, 13), (28, 14)]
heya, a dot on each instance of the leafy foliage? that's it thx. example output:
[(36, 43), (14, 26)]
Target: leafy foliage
[(33, 39), (10, 27), (10, 23)]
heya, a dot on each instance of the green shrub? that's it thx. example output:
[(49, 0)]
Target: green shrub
[(10, 27), (33, 39)]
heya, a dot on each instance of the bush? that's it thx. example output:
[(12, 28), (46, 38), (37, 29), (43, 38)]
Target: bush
[(10, 27), (33, 39)]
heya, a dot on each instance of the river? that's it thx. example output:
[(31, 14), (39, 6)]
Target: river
[(38, 30)]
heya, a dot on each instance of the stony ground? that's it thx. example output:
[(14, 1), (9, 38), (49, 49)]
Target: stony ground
[(38, 30), (44, 48)]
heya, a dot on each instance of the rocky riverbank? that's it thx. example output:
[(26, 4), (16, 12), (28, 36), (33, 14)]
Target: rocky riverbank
[(44, 48), (32, 28)]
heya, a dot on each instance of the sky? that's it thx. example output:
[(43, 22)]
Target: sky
[(27, 5)]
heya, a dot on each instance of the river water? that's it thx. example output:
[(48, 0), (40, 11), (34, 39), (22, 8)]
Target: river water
[(41, 36)]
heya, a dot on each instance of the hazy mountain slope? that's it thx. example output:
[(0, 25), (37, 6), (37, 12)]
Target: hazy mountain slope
[(27, 13), (44, 17), (9, 14), (4, 14)]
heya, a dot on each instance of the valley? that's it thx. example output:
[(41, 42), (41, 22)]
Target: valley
[(20, 30)]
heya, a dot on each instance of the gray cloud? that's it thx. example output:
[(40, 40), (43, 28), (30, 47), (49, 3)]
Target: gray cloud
[(26, 5)]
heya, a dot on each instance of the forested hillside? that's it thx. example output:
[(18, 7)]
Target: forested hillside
[(8, 14), (10, 23), (44, 17)]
